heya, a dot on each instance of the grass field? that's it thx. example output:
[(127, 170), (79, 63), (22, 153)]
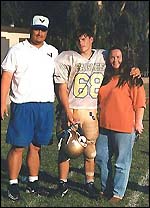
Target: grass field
[(137, 194)]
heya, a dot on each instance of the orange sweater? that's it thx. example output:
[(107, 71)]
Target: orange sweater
[(118, 104)]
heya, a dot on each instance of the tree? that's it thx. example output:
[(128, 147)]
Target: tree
[(11, 12), (80, 13), (122, 23)]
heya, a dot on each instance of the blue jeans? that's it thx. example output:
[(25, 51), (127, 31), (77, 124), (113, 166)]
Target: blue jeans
[(120, 144)]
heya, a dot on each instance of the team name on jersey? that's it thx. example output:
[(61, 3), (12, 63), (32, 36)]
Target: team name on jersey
[(96, 67)]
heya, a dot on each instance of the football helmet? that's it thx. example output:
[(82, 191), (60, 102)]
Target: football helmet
[(74, 143)]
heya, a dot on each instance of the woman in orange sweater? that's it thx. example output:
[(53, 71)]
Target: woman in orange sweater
[(121, 110)]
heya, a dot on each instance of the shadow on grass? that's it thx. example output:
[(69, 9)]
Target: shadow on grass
[(136, 187), (50, 179), (82, 171), (73, 185), (146, 153), (43, 176)]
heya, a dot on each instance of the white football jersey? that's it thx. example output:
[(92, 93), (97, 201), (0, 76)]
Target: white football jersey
[(83, 76)]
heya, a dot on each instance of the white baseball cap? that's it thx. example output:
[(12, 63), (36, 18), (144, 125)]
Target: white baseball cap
[(40, 22)]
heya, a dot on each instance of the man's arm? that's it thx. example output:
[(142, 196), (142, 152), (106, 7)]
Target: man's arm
[(5, 86)]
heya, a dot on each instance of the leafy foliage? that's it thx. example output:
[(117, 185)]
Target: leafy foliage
[(122, 23)]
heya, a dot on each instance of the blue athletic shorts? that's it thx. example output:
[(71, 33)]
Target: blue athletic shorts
[(30, 123)]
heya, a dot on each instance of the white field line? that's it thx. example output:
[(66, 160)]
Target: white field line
[(136, 194)]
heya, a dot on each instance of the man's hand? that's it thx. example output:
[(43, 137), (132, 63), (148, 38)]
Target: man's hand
[(4, 111), (135, 72)]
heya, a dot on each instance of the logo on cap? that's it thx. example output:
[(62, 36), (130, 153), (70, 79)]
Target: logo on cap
[(42, 20)]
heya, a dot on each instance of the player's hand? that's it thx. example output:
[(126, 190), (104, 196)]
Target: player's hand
[(135, 72), (71, 119)]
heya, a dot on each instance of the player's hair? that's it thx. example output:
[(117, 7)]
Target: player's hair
[(83, 30)]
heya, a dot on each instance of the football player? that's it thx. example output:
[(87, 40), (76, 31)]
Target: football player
[(78, 76)]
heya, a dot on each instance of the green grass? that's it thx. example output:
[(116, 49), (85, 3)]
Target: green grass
[(76, 198)]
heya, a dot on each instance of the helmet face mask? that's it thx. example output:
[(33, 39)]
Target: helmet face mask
[(74, 144)]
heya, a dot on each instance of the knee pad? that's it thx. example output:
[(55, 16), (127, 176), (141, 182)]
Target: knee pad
[(90, 150)]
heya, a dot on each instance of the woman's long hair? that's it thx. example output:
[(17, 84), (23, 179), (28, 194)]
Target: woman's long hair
[(123, 72)]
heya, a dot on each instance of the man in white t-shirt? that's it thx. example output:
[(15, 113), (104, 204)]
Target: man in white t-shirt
[(28, 78)]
